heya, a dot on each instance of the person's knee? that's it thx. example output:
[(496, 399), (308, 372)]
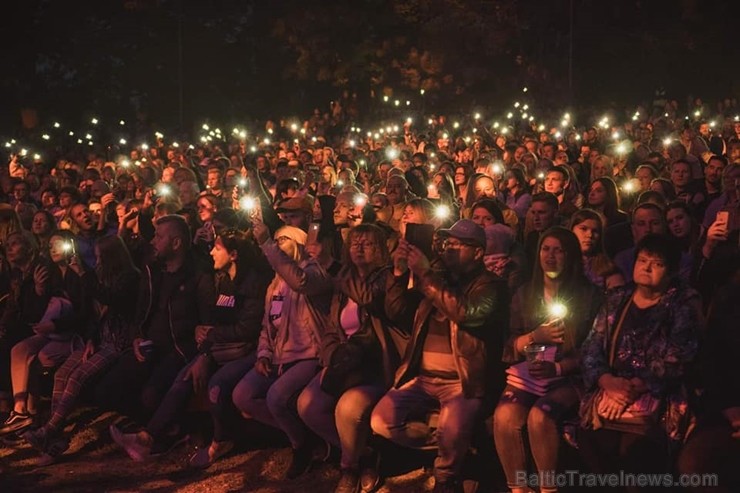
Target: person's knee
[(278, 400), (242, 396), (538, 420), (508, 417), (352, 408), (381, 418)]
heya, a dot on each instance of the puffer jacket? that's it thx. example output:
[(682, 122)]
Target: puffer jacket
[(477, 309)]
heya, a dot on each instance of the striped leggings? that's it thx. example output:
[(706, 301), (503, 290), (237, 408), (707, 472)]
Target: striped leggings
[(70, 378)]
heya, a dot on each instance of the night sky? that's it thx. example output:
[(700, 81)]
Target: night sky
[(173, 61)]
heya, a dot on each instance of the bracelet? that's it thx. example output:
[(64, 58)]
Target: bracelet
[(558, 370)]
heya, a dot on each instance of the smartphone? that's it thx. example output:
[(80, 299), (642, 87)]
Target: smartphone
[(421, 236), (723, 217), (314, 230), (256, 213)]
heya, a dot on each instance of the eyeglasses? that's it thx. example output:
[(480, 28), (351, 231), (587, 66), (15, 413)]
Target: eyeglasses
[(363, 245), (451, 244), (282, 239)]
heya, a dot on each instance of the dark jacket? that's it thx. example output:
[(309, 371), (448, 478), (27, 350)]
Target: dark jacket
[(240, 307), (189, 304), (369, 294), (477, 309)]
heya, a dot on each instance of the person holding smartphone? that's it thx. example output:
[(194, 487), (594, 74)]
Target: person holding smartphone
[(721, 244)]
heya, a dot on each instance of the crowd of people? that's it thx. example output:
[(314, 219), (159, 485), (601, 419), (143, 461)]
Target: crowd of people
[(578, 288)]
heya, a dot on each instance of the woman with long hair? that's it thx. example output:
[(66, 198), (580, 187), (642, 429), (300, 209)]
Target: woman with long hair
[(338, 402), (588, 226), (463, 172), (516, 193), (416, 211), (42, 227), (551, 314), (603, 196), (115, 290)]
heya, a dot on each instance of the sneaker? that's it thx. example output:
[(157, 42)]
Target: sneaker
[(130, 442), (204, 457), (38, 439), (349, 482), (53, 451), (300, 462), (370, 476), (16, 422)]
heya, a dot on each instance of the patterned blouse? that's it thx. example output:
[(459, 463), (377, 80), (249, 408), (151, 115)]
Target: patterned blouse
[(656, 351)]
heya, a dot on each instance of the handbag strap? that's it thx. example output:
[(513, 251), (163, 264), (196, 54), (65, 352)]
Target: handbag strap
[(617, 330)]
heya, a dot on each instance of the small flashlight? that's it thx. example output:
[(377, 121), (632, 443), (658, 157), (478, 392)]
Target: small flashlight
[(557, 309), (442, 211)]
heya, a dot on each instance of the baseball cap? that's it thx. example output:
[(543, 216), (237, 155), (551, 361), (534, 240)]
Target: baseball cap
[(466, 231), (296, 204)]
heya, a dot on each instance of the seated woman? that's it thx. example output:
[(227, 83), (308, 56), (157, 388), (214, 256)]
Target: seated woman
[(588, 226), (114, 294), (57, 332), (25, 300), (226, 353), (603, 196), (338, 402), (633, 364), (553, 314), (289, 343), (416, 211)]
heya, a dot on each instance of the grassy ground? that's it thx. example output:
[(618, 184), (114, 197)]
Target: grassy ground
[(93, 463)]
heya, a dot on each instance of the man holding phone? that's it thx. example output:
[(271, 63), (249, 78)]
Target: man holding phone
[(462, 310), (721, 248)]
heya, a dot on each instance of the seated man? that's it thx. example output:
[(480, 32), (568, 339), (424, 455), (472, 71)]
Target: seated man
[(175, 296), (462, 311)]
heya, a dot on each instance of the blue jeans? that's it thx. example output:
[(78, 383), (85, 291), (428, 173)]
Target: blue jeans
[(401, 416), (345, 422), (268, 399), (221, 384), (220, 387)]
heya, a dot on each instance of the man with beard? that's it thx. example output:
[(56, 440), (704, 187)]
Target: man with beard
[(175, 296), (454, 352)]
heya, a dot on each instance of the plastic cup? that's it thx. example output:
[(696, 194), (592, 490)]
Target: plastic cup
[(534, 353)]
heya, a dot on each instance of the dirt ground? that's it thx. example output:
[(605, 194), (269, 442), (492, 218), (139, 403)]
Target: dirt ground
[(93, 463)]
